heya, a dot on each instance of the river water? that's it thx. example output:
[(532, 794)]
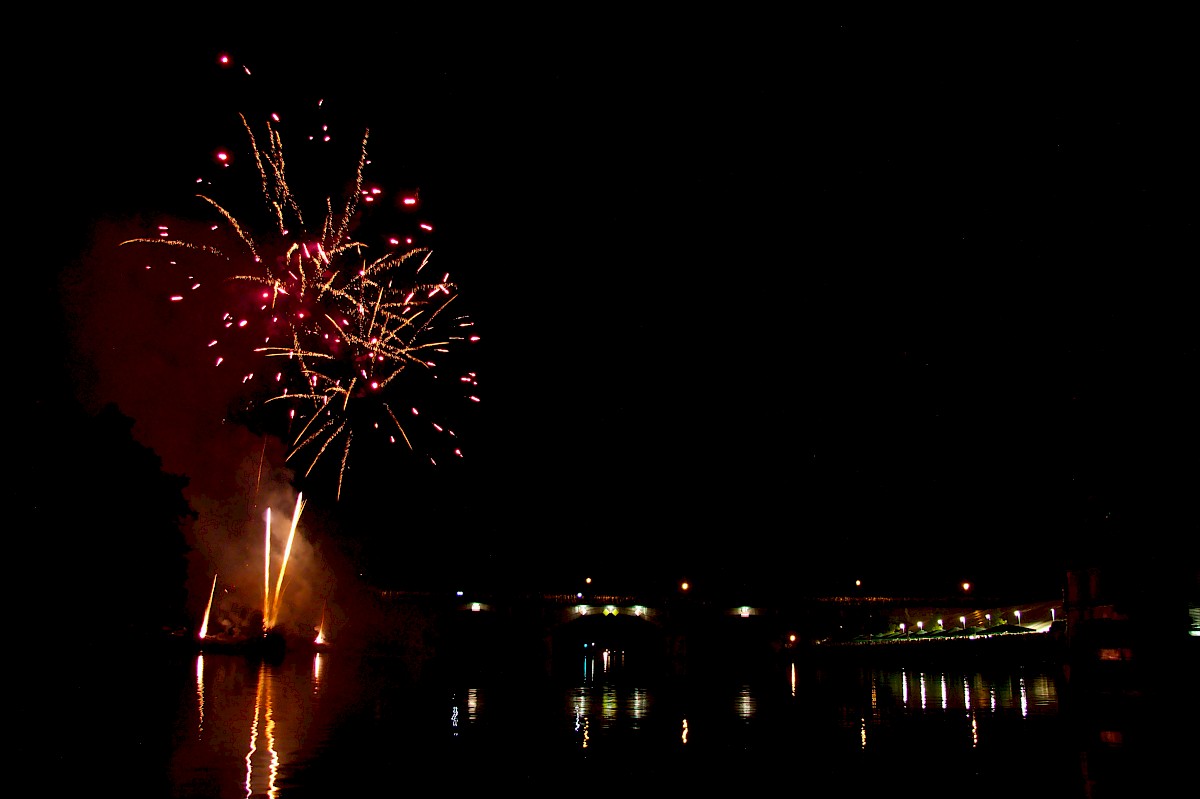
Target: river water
[(175, 723)]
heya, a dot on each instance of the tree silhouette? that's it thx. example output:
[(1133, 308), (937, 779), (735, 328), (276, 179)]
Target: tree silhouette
[(104, 542)]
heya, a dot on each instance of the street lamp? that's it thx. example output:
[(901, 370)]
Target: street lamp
[(902, 631), (963, 621), (1018, 617), (988, 616)]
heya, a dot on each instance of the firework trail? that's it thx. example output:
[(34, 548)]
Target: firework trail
[(273, 618), (267, 573), (345, 342), (208, 609)]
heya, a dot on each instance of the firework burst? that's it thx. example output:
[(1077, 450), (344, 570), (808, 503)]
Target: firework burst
[(349, 345)]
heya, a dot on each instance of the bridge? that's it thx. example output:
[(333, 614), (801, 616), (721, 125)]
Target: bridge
[(555, 629)]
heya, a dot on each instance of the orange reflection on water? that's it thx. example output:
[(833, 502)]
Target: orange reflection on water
[(200, 691), (268, 759), (251, 718)]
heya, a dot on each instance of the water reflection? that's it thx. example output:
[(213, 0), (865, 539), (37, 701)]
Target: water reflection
[(333, 723), (745, 703), (966, 690), (606, 706), (249, 719)]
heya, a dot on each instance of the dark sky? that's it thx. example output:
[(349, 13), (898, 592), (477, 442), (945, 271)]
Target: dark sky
[(900, 302)]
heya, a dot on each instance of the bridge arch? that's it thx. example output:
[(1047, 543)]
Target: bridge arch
[(606, 638)]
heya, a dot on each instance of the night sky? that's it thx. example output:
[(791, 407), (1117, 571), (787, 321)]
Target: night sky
[(909, 305)]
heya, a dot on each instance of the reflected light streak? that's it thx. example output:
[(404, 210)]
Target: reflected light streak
[(685, 732), (862, 732), (638, 703), (200, 692), (317, 667), (745, 703), (1024, 698), (945, 694), (609, 705), (970, 707), (269, 758), (903, 687), (792, 679)]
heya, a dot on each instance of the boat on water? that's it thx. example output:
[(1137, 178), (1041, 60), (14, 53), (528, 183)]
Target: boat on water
[(272, 643), (263, 644)]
